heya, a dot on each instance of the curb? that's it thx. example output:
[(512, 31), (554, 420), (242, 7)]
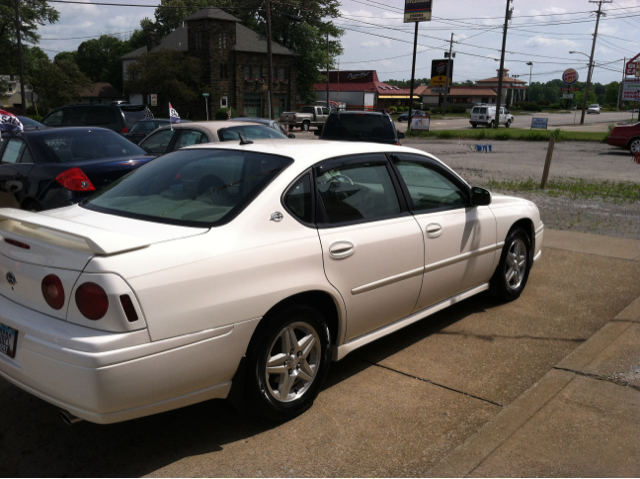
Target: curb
[(470, 454)]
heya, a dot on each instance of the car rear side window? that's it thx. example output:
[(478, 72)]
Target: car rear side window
[(358, 126), (55, 119), (90, 144), (100, 116), (190, 137), (13, 151), (298, 200), (132, 115), (357, 192)]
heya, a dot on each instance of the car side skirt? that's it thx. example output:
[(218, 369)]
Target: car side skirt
[(339, 352)]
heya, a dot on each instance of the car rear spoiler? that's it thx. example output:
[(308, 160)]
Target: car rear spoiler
[(67, 233)]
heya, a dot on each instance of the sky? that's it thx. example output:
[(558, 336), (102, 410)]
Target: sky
[(541, 31)]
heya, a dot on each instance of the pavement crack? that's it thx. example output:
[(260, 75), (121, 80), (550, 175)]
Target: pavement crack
[(433, 382), (600, 377), (491, 337)]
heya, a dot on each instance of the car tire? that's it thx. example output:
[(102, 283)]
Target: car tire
[(512, 272), (492, 124), (634, 145), (31, 205), (508, 124), (287, 362), (474, 125), (305, 126)]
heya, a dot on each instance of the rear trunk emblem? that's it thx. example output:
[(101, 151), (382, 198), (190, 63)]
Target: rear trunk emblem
[(11, 278)]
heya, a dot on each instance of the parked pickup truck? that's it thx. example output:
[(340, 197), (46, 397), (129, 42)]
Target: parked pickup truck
[(307, 117)]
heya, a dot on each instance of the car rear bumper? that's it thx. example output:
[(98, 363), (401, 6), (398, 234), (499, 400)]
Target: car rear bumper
[(107, 377)]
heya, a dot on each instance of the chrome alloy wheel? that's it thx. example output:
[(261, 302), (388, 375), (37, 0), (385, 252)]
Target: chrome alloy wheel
[(516, 264), (635, 146), (293, 360)]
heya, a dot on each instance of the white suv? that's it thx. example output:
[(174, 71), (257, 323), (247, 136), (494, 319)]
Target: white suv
[(486, 115)]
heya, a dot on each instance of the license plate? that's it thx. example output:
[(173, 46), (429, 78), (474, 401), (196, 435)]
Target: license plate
[(8, 339)]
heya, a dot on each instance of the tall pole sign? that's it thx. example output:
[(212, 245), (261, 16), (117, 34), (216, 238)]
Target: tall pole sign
[(415, 11)]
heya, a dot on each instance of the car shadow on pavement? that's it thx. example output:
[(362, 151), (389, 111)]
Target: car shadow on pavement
[(48, 447)]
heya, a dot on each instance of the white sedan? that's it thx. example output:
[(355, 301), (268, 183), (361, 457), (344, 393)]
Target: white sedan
[(146, 297)]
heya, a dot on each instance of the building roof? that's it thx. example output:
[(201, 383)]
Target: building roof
[(458, 91), (212, 12), (100, 90), (359, 80), (504, 80), (177, 40), (249, 41), (134, 55)]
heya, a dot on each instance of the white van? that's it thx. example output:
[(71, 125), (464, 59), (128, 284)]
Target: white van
[(486, 115)]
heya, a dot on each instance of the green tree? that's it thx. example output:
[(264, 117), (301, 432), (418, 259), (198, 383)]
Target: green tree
[(611, 94), (99, 59), (71, 56), (579, 98), (32, 13), (139, 37), (57, 83), (171, 75), (307, 38)]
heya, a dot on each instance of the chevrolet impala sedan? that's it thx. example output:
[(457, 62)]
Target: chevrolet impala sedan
[(147, 296)]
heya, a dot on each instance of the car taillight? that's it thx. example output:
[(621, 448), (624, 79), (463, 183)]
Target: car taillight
[(53, 291), (124, 130), (295, 117), (92, 301), (75, 180)]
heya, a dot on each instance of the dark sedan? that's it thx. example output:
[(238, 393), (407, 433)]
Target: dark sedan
[(50, 168)]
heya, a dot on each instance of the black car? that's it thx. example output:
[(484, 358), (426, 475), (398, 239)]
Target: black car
[(145, 127), (54, 167), (119, 118), (29, 124), (360, 125), (405, 116)]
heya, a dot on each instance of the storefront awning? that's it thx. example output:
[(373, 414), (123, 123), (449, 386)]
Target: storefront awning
[(396, 97)]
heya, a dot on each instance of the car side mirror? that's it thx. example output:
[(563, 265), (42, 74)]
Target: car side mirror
[(316, 133), (291, 135), (480, 196), (400, 135)]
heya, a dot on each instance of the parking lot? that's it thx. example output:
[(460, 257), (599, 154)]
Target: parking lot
[(405, 405)]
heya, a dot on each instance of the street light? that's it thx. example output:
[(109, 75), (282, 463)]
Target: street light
[(530, 74), (586, 91)]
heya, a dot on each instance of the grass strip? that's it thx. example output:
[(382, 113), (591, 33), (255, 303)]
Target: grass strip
[(510, 134), (622, 192)]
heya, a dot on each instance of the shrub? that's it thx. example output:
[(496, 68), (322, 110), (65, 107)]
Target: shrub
[(400, 109), (456, 109), (544, 102), (393, 109), (221, 114), (36, 117), (427, 108), (531, 107)]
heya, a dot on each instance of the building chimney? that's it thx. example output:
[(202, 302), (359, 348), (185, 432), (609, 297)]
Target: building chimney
[(152, 40), (506, 73)]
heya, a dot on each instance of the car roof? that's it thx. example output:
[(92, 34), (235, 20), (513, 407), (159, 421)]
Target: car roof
[(61, 130), (309, 152), (211, 126)]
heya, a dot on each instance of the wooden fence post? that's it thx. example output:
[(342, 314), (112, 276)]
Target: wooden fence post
[(547, 163)]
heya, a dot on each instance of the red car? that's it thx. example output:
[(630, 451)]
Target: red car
[(626, 136)]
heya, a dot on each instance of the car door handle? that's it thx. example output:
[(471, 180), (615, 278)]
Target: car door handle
[(433, 230), (341, 249)]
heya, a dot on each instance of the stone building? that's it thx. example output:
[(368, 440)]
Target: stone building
[(234, 62)]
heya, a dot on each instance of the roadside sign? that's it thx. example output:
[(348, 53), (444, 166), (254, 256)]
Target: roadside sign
[(570, 76), (630, 89), (206, 95), (540, 123), (417, 11), (567, 96), (421, 123), (440, 90), (631, 67), (154, 99), (569, 89), (637, 69), (439, 72)]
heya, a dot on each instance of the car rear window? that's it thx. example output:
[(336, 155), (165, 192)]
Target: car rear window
[(248, 132), (479, 111), (201, 187), (65, 146), (358, 126), (132, 114)]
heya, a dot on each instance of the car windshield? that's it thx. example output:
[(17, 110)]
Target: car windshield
[(594, 106), (248, 132), (133, 114), (198, 187), (76, 145), (358, 126)]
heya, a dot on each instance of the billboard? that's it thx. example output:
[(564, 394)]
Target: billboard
[(630, 68), (417, 11), (570, 76), (439, 72), (630, 89)]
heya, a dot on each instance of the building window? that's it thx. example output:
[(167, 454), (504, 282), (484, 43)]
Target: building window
[(257, 72), (224, 102), (282, 74), (247, 73), (198, 40), (224, 74), (222, 41)]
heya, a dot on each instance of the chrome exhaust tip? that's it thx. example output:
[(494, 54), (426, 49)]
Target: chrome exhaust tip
[(68, 418)]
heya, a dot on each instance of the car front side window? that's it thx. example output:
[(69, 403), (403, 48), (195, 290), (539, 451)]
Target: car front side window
[(158, 142)]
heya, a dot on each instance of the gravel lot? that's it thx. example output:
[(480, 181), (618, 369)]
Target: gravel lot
[(520, 160)]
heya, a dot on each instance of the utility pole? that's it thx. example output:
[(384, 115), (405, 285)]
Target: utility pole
[(23, 96), (530, 75), (507, 17), (599, 13), (446, 86), (270, 77), (413, 76), (624, 73), (328, 60)]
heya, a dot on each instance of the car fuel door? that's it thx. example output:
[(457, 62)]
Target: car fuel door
[(372, 247), (459, 239)]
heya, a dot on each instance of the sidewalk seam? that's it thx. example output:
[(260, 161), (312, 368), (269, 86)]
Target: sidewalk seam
[(600, 378)]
